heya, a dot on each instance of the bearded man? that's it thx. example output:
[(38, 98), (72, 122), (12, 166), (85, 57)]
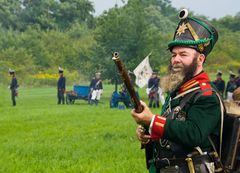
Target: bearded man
[(188, 128)]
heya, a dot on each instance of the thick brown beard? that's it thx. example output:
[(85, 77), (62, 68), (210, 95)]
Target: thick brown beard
[(173, 79)]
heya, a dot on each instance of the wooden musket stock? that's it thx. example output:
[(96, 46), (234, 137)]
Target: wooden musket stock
[(137, 104), (125, 77)]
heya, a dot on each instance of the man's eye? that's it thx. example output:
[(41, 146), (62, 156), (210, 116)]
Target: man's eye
[(183, 55)]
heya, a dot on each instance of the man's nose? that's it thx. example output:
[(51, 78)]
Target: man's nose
[(176, 59)]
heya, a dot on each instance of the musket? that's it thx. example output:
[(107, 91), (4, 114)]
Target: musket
[(125, 77), (137, 104)]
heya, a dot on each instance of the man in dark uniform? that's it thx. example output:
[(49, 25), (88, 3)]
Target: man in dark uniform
[(231, 86), (13, 86), (219, 83), (61, 86), (180, 135), (153, 96), (238, 79), (96, 88)]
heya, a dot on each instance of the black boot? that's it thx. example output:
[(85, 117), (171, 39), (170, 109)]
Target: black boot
[(92, 101), (96, 102)]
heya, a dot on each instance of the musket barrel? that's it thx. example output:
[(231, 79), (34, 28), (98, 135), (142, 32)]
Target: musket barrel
[(125, 77)]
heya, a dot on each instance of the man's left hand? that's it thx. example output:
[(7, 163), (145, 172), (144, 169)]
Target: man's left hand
[(142, 137)]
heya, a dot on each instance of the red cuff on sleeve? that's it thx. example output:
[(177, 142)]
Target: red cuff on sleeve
[(158, 127)]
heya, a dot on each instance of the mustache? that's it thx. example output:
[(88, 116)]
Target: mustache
[(176, 68), (178, 65)]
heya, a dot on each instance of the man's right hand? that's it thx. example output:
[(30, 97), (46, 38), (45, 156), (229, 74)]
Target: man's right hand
[(142, 137), (143, 118)]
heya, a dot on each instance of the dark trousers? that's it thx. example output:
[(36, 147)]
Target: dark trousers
[(13, 93), (153, 101), (61, 97)]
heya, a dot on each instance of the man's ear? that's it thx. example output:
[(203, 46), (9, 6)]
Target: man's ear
[(201, 59)]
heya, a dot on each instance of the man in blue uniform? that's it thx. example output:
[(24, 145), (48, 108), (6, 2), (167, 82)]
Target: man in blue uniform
[(61, 86), (180, 137), (153, 96), (219, 83), (13, 86), (231, 86), (96, 88), (238, 79)]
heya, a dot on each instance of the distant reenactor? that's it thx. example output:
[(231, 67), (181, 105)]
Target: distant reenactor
[(219, 82), (96, 88), (238, 79), (61, 86), (231, 86), (152, 90), (13, 86)]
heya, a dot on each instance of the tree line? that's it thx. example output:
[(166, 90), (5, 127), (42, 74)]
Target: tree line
[(38, 36)]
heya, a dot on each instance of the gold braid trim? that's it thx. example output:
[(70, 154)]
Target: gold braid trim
[(195, 36)]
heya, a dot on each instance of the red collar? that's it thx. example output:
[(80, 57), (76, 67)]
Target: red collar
[(201, 80)]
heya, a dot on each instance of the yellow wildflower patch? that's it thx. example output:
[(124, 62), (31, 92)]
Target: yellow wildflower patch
[(45, 76)]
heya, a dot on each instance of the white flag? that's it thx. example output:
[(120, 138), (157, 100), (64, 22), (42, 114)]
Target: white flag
[(143, 72)]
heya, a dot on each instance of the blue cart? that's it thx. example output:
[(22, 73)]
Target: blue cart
[(79, 92)]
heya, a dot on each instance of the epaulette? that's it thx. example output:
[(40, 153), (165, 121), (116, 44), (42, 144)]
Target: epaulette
[(206, 88)]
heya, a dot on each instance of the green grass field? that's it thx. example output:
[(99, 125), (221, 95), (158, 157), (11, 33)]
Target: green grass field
[(40, 136)]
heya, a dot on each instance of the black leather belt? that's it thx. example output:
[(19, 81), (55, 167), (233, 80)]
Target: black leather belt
[(164, 162)]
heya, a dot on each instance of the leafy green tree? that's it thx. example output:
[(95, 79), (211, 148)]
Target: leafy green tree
[(55, 14), (20, 60), (73, 11), (9, 14), (230, 22), (40, 13), (134, 31), (42, 35)]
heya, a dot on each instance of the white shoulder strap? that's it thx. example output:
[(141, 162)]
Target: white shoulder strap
[(222, 119)]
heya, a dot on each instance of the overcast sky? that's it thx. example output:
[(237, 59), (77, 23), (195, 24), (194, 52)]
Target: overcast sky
[(210, 8)]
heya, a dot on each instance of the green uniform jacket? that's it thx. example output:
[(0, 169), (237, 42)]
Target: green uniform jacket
[(202, 120)]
